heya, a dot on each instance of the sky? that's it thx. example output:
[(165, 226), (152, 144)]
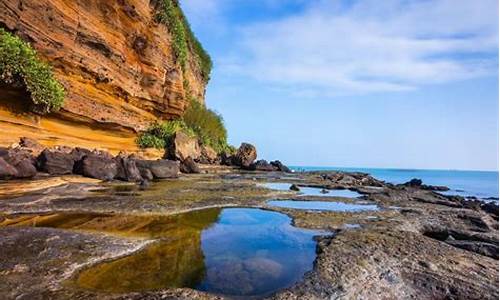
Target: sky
[(367, 83)]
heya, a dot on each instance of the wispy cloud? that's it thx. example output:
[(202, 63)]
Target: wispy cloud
[(335, 47)]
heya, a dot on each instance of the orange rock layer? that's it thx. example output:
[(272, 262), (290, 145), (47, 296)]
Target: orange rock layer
[(115, 62)]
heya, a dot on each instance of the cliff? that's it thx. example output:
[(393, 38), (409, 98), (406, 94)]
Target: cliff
[(117, 65)]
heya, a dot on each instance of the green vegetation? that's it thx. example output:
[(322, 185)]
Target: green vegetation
[(159, 135), (204, 124), (170, 14), (207, 125), (19, 63)]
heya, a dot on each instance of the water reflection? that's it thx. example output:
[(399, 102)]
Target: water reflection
[(312, 191), (323, 205), (235, 251)]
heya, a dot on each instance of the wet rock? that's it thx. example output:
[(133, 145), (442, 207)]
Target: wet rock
[(245, 156), (281, 167), (183, 146), (144, 184), (160, 169), (189, 166), (55, 162), (262, 165), (294, 187), (127, 169), (6, 170), (99, 167)]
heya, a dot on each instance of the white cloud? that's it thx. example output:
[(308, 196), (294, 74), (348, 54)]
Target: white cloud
[(369, 46)]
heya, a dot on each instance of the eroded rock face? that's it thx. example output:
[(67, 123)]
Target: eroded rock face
[(115, 62), (184, 146), (245, 156)]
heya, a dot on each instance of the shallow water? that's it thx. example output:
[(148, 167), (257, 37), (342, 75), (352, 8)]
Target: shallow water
[(311, 191), (233, 251), (323, 205)]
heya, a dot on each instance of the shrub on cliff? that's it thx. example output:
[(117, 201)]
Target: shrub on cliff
[(19, 63), (207, 125), (158, 135), (170, 14), (198, 121)]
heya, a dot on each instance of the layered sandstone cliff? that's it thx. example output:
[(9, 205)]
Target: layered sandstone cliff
[(116, 63)]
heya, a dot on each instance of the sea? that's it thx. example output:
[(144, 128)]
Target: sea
[(479, 184)]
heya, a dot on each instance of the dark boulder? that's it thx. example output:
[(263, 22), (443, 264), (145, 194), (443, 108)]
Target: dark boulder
[(99, 167), (127, 169), (413, 183), (245, 156), (55, 162), (491, 208), (160, 169), (21, 160), (6, 170), (281, 167), (295, 188), (25, 169), (226, 159), (262, 165), (78, 153), (189, 166)]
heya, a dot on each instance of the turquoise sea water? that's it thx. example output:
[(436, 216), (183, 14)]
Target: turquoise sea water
[(481, 184)]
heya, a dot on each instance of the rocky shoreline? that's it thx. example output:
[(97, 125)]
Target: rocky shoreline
[(420, 244), (28, 158)]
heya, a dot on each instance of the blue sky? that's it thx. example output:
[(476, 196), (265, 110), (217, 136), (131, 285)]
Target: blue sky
[(394, 83)]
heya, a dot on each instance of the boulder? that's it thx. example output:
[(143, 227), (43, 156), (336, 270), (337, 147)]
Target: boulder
[(31, 145), (189, 166), (208, 155), (295, 188), (21, 160), (226, 158), (146, 174), (183, 146), (281, 167), (160, 169), (262, 165), (127, 169), (55, 162), (245, 156), (413, 183), (99, 167), (6, 170)]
